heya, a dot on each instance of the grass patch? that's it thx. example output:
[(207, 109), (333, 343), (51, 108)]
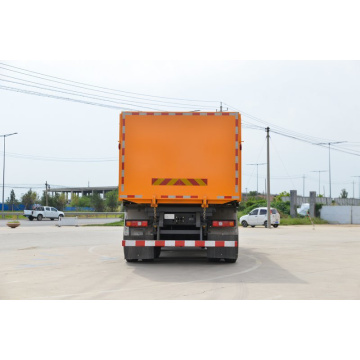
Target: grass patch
[(301, 221), (94, 216), (116, 223)]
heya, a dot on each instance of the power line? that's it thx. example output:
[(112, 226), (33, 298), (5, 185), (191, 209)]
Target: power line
[(277, 128), (79, 94), (62, 98), (99, 97), (56, 159), (98, 87)]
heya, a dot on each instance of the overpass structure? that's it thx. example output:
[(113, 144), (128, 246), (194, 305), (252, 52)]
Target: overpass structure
[(83, 191)]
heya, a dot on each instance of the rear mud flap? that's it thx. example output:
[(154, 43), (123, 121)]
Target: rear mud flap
[(222, 252), (140, 253)]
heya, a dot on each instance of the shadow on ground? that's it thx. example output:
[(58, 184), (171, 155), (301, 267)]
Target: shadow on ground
[(189, 265)]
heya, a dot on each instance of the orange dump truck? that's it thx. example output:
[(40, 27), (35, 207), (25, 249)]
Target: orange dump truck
[(180, 183)]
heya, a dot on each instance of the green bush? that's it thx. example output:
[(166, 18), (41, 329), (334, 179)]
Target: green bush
[(317, 209), (282, 207)]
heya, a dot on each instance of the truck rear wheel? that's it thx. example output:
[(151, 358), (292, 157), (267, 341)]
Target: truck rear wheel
[(39, 217), (31, 218), (131, 260)]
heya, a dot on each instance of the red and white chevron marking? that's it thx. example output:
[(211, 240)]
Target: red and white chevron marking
[(181, 243)]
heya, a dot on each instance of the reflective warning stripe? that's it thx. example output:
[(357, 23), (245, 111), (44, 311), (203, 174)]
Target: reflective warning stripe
[(227, 197), (131, 196), (236, 154), (179, 182), (179, 196), (180, 243), (180, 113), (123, 154)]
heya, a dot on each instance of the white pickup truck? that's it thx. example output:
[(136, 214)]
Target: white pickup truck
[(41, 212)]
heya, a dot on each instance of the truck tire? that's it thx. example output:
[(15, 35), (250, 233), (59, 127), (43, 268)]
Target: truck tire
[(230, 261), (31, 218), (214, 260), (131, 260), (39, 217), (244, 223)]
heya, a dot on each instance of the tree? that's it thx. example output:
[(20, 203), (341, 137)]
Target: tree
[(29, 199), (344, 194), (84, 201), (111, 200), (75, 200), (253, 193), (57, 201), (11, 201), (279, 197), (97, 202)]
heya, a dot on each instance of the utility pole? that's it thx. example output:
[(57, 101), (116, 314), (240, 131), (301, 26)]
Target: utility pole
[(330, 143), (304, 185), (268, 178), (3, 182), (359, 184), (319, 171), (257, 176), (353, 189), (46, 194)]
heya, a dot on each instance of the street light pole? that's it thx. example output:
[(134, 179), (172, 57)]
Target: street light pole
[(319, 171), (257, 176), (359, 184), (330, 143), (3, 185), (268, 178)]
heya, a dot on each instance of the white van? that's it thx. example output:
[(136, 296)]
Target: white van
[(259, 217)]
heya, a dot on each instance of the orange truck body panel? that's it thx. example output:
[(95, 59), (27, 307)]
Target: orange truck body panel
[(180, 158)]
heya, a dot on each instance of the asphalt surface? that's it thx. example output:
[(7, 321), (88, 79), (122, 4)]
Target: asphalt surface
[(290, 262), (48, 222)]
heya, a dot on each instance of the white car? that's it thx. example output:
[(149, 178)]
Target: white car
[(259, 217)]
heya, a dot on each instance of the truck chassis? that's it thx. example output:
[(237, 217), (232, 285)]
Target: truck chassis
[(149, 229)]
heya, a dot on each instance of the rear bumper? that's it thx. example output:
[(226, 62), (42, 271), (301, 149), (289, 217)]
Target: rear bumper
[(180, 243)]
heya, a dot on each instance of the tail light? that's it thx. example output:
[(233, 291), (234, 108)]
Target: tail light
[(136, 223), (223, 223)]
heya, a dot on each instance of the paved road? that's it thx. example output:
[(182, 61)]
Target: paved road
[(48, 222), (47, 262)]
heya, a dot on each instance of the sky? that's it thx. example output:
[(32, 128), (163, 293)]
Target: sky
[(75, 144)]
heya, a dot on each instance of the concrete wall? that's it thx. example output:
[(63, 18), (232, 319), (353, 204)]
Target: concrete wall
[(325, 201), (341, 214), (306, 199)]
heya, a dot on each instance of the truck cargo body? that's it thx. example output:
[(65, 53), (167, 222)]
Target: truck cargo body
[(179, 180)]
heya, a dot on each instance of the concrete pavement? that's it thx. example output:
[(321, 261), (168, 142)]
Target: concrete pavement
[(290, 262)]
